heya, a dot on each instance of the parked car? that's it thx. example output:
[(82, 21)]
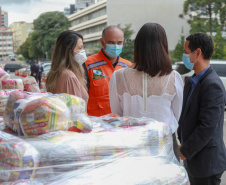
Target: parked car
[(46, 68), (23, 72), (12, 57), (218, 65), (11, 67)]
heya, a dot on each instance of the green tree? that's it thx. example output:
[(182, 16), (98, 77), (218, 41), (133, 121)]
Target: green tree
[(24, 48), (128, 45), (219, 46), (198, 25), (178, 51), (47, 28), (208, 8), (97, 47)]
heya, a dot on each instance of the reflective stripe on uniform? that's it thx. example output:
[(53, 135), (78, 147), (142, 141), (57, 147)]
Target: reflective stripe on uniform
[(96, 64), (123, 64)]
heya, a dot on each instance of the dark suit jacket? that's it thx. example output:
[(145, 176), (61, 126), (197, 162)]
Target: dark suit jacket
[(40, 72), (34, 69), (201, 126)]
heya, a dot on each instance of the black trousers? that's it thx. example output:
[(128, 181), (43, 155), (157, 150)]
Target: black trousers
[(212, 180), (39, 80), (175, 147)]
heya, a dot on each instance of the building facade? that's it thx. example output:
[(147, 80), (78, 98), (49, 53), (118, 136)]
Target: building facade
[(3, 18), (6, 42), (21, 31), (70, 10), (81, 4), (92, 20)]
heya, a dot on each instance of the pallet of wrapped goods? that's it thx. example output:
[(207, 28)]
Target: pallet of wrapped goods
[(4, 75), (12, 84), (130, 170), (86, 150), (30, 84), (137, 151)]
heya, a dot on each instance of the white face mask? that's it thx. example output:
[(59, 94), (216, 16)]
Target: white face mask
[(80, 57)]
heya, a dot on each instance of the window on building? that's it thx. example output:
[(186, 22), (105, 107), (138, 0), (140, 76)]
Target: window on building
[(89, 16)]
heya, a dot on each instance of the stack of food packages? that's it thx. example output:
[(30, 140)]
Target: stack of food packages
[(3, 75), (57, 143), (8, 85), (30, 84)]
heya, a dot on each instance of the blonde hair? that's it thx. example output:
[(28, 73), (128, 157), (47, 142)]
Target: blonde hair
[(62, 58)]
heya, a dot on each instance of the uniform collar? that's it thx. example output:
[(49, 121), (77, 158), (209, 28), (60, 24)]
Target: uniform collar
[(102, 50)]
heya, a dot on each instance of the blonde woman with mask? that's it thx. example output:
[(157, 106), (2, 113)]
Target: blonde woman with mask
[(67, 74)]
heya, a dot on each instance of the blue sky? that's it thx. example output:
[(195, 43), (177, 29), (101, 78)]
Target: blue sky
[(28, 10)]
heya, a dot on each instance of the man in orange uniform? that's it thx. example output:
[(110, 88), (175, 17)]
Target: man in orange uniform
[(99, 68)]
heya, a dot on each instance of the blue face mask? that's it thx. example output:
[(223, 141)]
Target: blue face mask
[(187, 61), (113, 50)]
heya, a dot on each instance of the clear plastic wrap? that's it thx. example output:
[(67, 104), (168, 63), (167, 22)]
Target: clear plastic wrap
[(9, 115), (119, 150), (22, 182), (30, 84), (12, 84), (4, 95), (3, 74), (34, 114), (16, 154)]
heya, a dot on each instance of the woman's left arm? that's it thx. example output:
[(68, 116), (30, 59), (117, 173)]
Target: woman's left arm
[(178, 99)]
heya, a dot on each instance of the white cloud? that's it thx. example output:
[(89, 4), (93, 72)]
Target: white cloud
[(28, 10)]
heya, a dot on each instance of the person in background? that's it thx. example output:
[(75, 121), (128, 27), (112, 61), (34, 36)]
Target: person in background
[(39, 75), (99, 68), (34, 70), (150, 88), (202, 119), (67, 74)]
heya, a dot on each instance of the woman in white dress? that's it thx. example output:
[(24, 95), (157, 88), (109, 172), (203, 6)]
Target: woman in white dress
[(149, 88)]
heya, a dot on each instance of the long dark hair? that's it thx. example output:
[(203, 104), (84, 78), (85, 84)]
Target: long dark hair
[(151, 50)]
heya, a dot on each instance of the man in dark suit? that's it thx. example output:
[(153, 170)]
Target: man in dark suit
[(39, 75), (202, 118), (34, 70)]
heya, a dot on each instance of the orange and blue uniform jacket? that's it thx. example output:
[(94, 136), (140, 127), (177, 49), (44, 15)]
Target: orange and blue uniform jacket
[(98, 70)]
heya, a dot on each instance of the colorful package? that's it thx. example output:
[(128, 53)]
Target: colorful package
[(9, 116), (18, 160), (4, 75), (12, 84), (51, 113), (2, 110), (31, 85)]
